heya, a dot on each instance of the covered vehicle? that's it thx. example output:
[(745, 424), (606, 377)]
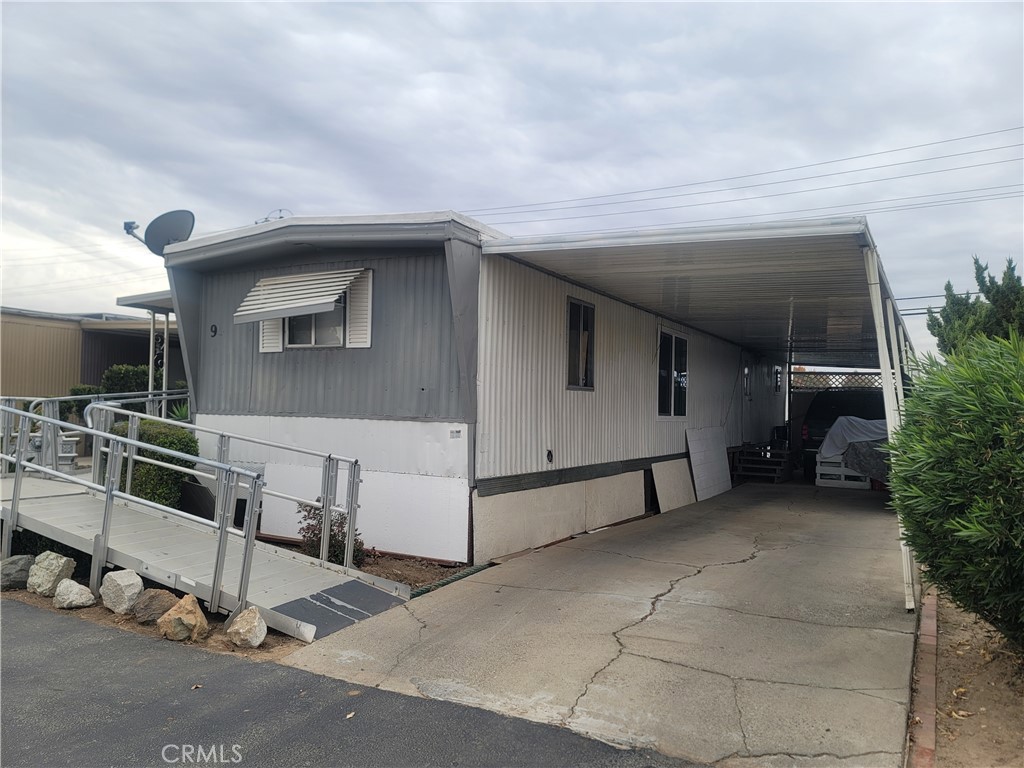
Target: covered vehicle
[(827, 406)]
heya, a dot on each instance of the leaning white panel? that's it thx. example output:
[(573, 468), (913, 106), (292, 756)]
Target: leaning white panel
[(709, 460), (674, 485)]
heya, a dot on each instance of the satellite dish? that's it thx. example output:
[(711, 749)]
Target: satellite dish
[(171, 227)]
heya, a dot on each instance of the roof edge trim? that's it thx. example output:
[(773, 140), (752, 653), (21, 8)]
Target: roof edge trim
[(856, 225)]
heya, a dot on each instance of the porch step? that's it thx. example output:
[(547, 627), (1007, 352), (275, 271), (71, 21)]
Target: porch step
[(763, 463)]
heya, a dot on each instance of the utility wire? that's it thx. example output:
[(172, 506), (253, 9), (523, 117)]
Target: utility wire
[(817, 189), (744, 176), (785, 194), (762, 184), (854, 212), (78, 282)]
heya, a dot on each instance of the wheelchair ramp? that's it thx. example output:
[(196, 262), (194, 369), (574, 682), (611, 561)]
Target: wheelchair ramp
[(296, 594)]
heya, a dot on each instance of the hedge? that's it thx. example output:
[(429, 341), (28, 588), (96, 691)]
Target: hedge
[(159, 484)]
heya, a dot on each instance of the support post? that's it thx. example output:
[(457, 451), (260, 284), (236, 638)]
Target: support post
[(152, 346), (892, 411), (897, 358), (222, 457), (100, 541), (19, 472), (133, 434), (252, 511), (227, 492), (103, 423), (328, 491), (351, 505), (167, 356)]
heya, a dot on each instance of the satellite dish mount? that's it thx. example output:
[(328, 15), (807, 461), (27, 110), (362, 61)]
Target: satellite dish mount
[(168, 228)]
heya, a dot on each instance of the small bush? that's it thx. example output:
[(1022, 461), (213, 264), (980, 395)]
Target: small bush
[(125, 378), (159, 484), (958, 478), (77, 407), (310, 529)]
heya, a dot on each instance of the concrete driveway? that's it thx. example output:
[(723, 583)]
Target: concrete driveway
[(764, 626)]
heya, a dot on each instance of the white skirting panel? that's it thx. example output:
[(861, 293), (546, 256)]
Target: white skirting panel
[(409, 514), (414, 495), (512, 522)]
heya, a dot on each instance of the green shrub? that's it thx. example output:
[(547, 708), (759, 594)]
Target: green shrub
[(159, 484), (312, 525), (958, 478), (77, 407), (126, 378)]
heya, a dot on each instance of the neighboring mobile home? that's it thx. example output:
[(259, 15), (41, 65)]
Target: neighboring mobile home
[(502, 393)]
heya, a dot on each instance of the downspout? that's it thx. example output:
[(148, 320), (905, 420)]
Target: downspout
[(892, 411)]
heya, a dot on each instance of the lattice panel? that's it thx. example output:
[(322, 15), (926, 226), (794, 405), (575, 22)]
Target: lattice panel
[(822, 380)]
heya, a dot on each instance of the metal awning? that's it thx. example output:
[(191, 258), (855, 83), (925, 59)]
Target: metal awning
[(159, 302), (770, 288), (291, 295)]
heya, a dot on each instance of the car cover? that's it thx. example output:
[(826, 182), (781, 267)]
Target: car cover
[(850, 429)]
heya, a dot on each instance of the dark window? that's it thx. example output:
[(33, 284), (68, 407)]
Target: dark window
[(326, 329), (581, 345), (671, 375)]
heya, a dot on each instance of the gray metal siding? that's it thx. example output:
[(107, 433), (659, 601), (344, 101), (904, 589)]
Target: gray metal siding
[(411, 371), (525, 407)]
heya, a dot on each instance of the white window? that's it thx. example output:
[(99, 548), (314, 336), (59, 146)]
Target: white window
[(672, 376), (311, 310), (324, 329)]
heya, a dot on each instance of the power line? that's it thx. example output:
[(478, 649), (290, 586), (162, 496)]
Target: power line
[(937, 296), (743, 176), (854, 212), (762, 184), (817, 189), (774, 194), (79, 282)]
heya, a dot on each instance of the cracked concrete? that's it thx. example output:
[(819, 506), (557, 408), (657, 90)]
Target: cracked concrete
[(765, 626)]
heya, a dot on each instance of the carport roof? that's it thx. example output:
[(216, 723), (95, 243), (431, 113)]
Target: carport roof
[(766, 287)]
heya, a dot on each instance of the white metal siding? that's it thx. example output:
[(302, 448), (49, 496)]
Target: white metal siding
[(526, 409)]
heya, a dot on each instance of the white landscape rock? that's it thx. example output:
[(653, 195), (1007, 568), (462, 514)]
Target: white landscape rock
[(248, 630), (71, 594), (49, 570), (120, 590)]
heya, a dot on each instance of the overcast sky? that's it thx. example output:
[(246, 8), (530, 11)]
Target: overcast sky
[(233, 110)]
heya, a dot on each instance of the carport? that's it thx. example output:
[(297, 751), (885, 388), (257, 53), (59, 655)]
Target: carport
[(759, 627), (762, 626), (812, 293)]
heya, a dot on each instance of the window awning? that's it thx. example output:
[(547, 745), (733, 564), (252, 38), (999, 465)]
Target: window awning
[(291, 295)]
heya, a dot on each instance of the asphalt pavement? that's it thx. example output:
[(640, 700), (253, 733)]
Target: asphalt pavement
[(74, 693)]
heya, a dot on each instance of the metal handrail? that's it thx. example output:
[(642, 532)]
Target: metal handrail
[(330, 467), (207, 430), (230, 480), (52, 436)]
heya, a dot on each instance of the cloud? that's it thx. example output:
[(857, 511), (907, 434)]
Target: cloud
[(123, 111)]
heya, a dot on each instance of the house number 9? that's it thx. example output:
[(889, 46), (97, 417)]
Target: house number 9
[(213, 331)]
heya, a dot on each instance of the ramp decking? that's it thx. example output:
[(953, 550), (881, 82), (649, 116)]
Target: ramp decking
[(295, 594)]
